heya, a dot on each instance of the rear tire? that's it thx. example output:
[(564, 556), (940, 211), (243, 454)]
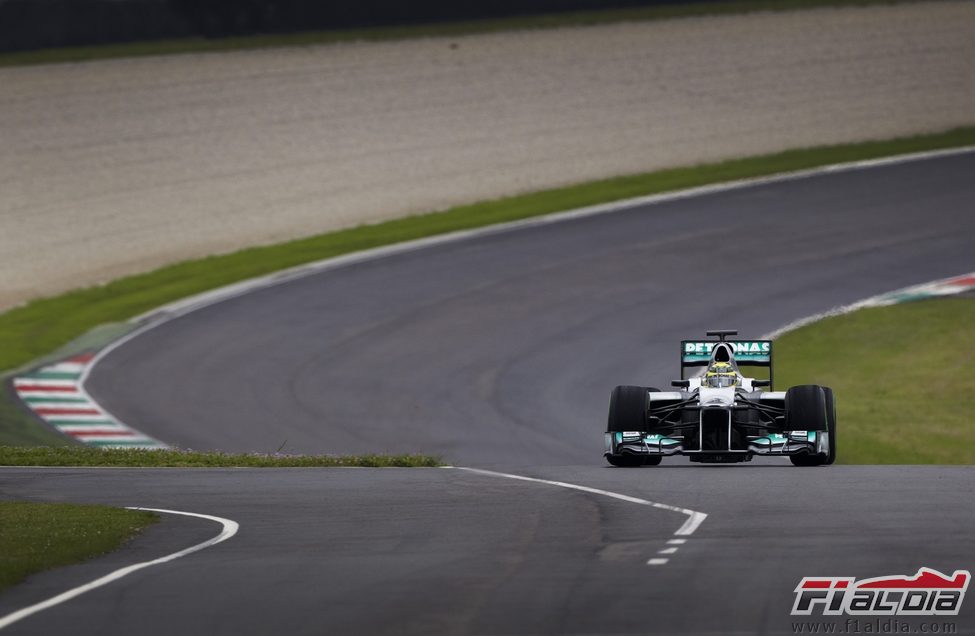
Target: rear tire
[(806, 410)]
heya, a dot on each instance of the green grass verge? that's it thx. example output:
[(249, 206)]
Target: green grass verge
[(32, 330), (447, 29), (902, 377), (131, 457), (17, 427), (36, 537)]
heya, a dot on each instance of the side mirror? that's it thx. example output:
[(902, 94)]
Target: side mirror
[(761, 383), (681, 383)]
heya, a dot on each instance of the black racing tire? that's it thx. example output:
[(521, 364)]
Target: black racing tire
[(831, 424), (628, 407), (632, 461), (806, 410), (806, 460)]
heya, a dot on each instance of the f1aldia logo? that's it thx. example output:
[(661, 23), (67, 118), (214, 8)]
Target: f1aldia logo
[(927, 593)]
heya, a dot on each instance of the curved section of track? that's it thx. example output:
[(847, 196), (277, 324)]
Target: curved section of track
[(499, 352), (503, 348), (228, 530), (437, 551)]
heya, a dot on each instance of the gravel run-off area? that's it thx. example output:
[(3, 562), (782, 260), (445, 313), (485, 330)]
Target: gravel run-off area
[(116, 167)]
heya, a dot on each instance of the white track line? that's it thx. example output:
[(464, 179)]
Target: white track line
[(229, 529), (880, 300), (657, 561), (694, 518)]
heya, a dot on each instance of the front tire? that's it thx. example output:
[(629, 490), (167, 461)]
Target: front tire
[(628, 407), (831, 424), (632, 461), (806, 460), (806, 409)]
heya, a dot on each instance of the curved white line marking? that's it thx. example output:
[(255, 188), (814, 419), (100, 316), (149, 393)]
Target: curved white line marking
[(694, 518), (229, 529), (936, 288)]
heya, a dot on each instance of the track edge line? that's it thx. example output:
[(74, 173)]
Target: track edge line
[(229, 529)]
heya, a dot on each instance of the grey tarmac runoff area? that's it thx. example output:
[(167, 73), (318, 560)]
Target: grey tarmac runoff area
[(499, 352), (118, 167)]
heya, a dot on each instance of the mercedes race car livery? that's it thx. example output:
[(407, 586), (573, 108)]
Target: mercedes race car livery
[(721, 416)]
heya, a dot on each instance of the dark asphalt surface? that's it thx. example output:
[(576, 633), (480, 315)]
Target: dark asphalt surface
[(505, 348), (439, 551), (500, 352)]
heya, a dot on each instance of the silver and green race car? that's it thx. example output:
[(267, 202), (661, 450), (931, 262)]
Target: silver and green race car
[(717, 415)]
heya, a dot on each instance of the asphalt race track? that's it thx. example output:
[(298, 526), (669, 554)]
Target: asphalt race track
[(504, 349), (499, 352), (438, 551)]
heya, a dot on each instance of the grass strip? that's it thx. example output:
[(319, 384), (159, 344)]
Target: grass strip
[(42, 326), (38, 536), (902, 377), (143, 458), (17, 427), (445, 29)]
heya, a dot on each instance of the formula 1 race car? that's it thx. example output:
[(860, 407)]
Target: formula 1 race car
[(720, 416)]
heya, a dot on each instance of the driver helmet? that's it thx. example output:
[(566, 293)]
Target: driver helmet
[(720, 374)]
